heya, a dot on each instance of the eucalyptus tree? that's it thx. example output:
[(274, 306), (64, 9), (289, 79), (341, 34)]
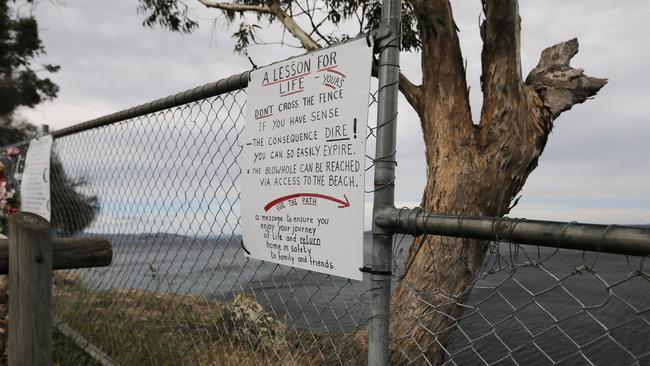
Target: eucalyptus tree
[(472, 168)]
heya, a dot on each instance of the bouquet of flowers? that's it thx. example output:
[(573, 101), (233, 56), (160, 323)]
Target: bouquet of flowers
[(8, 195)]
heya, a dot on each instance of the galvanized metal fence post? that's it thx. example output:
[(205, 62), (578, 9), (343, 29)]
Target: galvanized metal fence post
[(384, 195)]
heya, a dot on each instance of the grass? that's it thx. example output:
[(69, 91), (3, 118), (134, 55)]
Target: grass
[(137, 327), (65, 352)]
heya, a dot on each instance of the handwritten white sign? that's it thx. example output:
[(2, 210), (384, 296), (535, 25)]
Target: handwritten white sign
[(35, 184), (303, 164)]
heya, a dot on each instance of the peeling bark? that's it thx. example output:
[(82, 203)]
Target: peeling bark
[(474, 170), (558, 84), (471, 170)]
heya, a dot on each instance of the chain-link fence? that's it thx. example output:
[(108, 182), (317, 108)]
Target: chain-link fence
[(180, 289), (163, 187), (533, 305)]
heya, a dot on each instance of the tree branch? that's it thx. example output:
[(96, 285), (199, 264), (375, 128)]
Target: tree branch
[(315, 27), (558, 84), (410, 91), (444, 86), (510, 106), (519, 127), (500, 57), (305, 39), (275, 9), (236, 7)]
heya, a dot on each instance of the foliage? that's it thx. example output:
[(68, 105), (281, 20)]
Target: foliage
[(170, 14), (20, 84), (147, 316), (8, 200), (66, 352), (72, 211)]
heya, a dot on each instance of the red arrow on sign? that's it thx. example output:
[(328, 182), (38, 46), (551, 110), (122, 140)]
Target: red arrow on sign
[(343, 204)]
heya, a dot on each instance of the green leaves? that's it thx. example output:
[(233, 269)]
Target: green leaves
[(24, 88), (244, 36), (169, 14), (369, 11), (20, 85), (51, 68), (173, 15)]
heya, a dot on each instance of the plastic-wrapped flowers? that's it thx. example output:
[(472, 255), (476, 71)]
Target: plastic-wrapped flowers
[(8, 204)]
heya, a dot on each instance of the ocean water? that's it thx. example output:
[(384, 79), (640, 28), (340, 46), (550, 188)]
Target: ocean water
[(523, 314)]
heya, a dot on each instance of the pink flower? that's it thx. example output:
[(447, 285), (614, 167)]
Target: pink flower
[(13, 151)]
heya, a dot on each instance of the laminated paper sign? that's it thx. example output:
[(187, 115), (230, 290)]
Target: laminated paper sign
[(35, 184), (303, 171)]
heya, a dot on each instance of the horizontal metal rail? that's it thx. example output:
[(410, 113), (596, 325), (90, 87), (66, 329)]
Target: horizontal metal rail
[(618, 239), (222, 86)]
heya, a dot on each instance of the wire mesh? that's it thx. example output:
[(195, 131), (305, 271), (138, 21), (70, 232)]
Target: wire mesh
[(164, 189), (530, 305)]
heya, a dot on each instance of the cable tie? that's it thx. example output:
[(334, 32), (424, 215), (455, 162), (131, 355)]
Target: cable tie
[(243, 247), (367, 269)]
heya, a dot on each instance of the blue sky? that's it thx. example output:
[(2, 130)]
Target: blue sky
[(595, 168)]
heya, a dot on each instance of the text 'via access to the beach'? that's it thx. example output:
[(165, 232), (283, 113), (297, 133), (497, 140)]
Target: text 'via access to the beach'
[(304, 160)]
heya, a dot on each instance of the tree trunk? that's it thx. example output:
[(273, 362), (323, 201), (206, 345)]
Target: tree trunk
[(473, 169)]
